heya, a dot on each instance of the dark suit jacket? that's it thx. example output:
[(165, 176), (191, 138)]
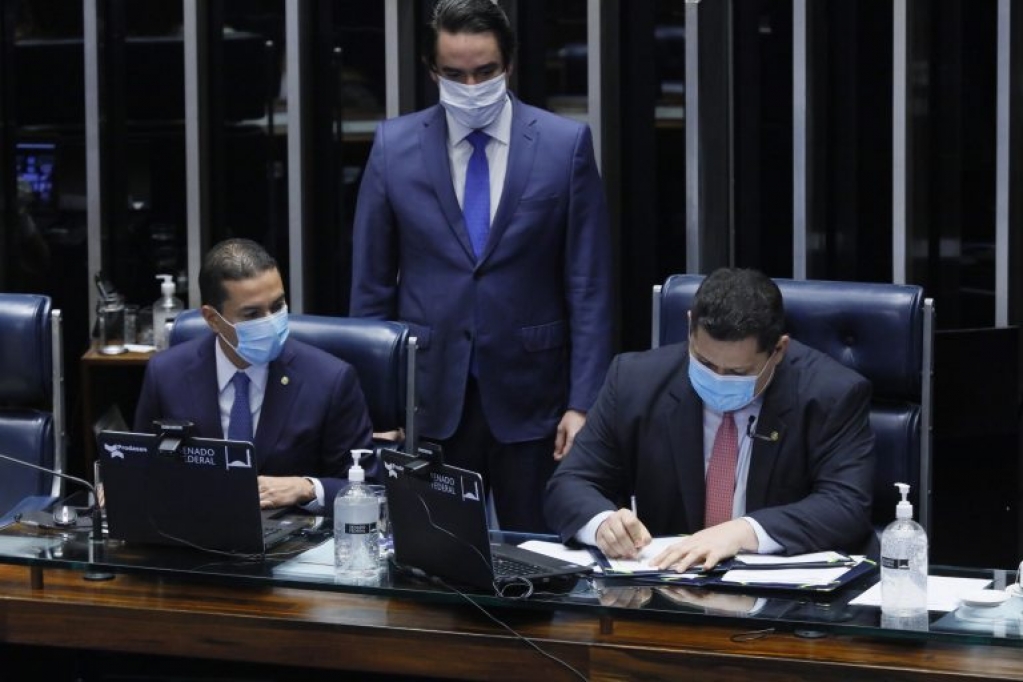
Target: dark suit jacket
[(307, 425), (536, 306), (810, 489)]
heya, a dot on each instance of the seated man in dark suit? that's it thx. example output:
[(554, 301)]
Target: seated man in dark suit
[(744, 439), (302, 408)]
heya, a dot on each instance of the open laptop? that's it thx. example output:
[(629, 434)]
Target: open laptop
[(439, 522), (204, 496)]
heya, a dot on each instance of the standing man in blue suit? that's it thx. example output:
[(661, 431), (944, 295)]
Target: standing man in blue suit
[(302, 408), (744, 439), (482, 223)]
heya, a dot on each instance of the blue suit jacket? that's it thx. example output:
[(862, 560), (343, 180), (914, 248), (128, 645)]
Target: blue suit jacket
[(811, 489), (535, 308), (307, 426)]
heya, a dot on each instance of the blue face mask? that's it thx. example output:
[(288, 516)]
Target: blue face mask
[(723, 393), (261, 341)]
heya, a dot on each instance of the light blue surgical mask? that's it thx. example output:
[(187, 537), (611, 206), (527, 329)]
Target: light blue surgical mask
[(474, 106), (723, 393), (260, 341)]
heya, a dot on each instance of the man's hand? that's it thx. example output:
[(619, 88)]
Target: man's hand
[(285, 491), (711, 602), (622, 535), (567, 428), (708, 547)]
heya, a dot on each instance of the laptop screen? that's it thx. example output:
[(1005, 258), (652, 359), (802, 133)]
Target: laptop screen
[(205, 495), (439, 520)]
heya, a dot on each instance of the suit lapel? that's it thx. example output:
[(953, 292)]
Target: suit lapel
[(433, 140), (771, 425), (201, 377), (282, 386), (521, 154), (685, 436)]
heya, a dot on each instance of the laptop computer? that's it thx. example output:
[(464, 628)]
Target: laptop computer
[(439, 523), (204, 496)]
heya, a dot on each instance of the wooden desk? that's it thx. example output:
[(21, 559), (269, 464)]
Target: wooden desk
[(333, 630)]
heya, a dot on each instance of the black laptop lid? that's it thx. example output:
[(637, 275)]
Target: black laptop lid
[(205, 495), (439, 520)]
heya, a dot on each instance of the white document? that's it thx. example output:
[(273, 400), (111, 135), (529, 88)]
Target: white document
[(797, 577), (942, 592), (558, 551), (769, 559), (314, 564)]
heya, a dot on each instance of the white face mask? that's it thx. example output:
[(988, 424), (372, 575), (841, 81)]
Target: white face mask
[(474, 106)]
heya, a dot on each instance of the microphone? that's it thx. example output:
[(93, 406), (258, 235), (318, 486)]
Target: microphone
[(767, 438), (97, 514)]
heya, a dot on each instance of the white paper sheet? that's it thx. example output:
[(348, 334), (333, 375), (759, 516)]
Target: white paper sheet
[(942, 592)]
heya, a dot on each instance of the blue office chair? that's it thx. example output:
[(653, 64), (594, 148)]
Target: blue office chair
[(382, 353), (883, 331), (31, 403)]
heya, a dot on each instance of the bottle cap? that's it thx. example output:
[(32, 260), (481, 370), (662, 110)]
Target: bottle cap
[(904, 509), (167, 287), (356, 472)]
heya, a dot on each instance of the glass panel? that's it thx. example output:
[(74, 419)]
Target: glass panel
[(142, 62), (248, 91), (953, 158), (347, 106), (553, 55)]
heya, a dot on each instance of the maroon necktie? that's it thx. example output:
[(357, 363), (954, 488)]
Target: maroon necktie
[(721, 473)]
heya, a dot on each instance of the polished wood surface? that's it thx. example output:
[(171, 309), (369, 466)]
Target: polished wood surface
[(333, 630)]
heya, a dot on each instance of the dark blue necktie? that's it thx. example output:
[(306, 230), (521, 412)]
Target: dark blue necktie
[(240, 425), (476, 201)]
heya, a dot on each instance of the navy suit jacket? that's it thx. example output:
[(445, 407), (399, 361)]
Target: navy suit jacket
[(535, 308), (811, 489), (307, 426)]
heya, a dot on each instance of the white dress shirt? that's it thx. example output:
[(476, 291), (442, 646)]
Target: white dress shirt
[(258, 375), (460, 150), (745, 422)]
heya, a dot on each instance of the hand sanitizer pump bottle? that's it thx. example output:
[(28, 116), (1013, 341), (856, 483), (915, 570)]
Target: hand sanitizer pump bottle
[(356, 511), (904, 563), (165, 309)]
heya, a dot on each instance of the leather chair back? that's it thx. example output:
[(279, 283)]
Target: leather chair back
[(885, 332), (31, 402), (377, 349)]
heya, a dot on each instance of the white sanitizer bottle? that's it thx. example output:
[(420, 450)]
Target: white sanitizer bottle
[(904, 563), (356, 511)]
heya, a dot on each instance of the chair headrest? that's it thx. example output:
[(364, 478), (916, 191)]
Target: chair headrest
[(873, 328), (26, 362), (377, 349)]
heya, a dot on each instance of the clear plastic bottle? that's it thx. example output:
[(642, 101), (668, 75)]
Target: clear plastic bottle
[(356, 543), (165, 309), (904, 563)]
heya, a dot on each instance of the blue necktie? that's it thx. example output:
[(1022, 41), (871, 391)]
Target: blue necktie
[(476, 201), (240, 425)]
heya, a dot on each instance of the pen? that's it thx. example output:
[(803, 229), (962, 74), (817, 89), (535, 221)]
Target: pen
[(632, 504)]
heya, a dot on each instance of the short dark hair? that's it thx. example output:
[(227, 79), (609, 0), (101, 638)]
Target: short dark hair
[(469, 16), (733, 304), (231, 260)]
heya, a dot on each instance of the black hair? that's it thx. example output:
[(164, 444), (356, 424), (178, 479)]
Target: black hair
[(733, 304), (231, 260), (469, 16)]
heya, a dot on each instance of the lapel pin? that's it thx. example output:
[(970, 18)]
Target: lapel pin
[(284, 381)]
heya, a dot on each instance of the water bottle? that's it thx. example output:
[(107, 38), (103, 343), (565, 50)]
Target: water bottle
[(356, 543), (904, 563)]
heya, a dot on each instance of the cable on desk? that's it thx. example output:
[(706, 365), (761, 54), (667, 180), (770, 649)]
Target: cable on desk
[(513, 631), (751, 635)]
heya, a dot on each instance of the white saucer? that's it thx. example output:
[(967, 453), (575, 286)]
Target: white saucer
[(984, 598)]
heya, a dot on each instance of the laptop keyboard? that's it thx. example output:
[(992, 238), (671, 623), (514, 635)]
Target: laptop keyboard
[(505, 567)]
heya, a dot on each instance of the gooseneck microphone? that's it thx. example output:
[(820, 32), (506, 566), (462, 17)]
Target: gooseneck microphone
[(767, 438), (97, 513)]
